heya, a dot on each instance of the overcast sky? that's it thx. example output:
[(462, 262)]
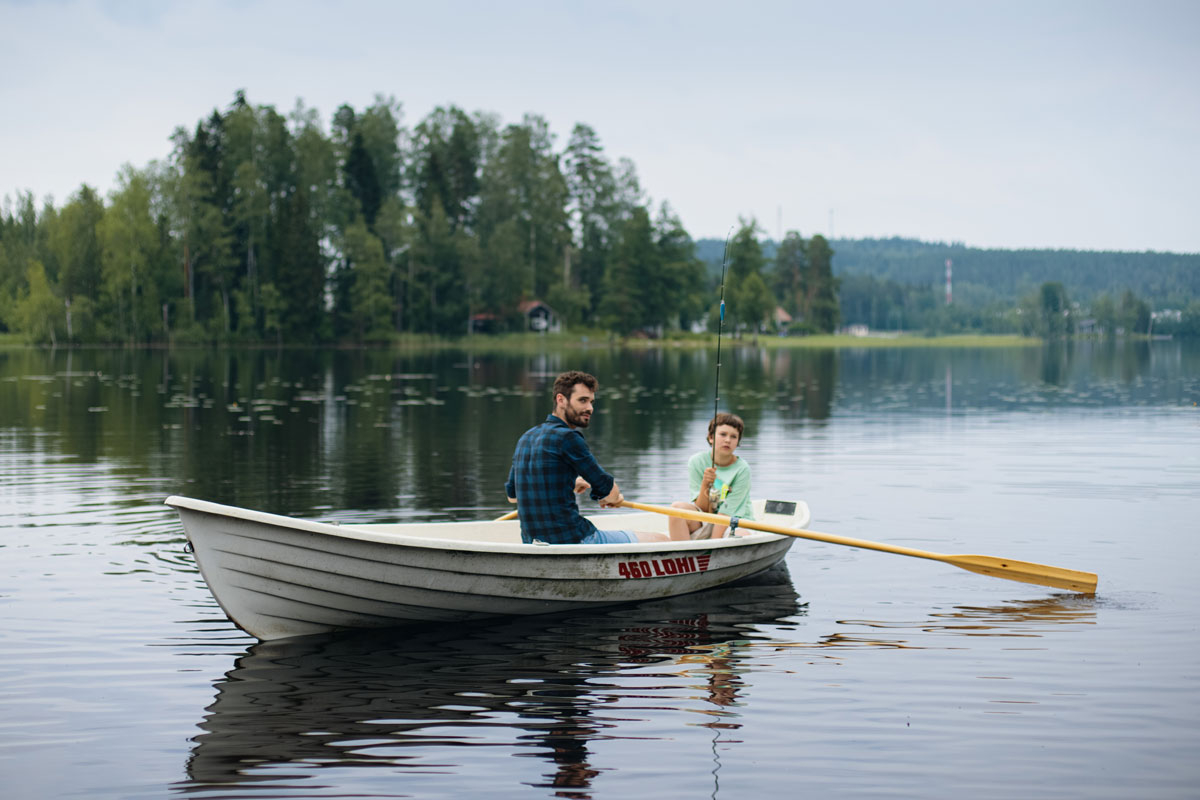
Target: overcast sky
[(997, 124)]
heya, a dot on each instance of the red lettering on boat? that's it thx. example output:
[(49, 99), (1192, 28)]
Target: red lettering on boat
[(680, 565)]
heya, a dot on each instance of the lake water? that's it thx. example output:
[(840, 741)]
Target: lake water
[(849, 673)]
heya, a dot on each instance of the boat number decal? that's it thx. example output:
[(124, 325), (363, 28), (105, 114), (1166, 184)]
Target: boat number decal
[(658, 567)]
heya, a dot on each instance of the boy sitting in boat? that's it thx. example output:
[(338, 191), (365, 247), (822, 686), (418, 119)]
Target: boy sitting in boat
[(552, 463), (719, 481)]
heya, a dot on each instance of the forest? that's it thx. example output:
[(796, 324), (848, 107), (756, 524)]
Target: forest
[(262, 227), (900, 284), (1011, 290)]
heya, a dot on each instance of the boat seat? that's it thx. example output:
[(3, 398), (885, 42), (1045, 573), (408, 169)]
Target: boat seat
[(785, 513)]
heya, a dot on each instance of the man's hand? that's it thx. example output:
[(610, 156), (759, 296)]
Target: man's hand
[(581, 486), (614, 499), (511, 499)]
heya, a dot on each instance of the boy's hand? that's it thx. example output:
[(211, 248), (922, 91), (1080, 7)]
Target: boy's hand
[(581, 485)]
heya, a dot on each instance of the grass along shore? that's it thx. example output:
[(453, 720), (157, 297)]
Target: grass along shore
[(840, 341), (521, 342)]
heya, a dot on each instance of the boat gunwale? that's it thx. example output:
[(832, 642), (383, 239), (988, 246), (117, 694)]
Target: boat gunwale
[(354, 532)]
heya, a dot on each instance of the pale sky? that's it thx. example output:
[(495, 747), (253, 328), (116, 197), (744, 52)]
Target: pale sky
[(997, 124)]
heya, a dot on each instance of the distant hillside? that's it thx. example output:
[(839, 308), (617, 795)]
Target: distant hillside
[(1164, 279)]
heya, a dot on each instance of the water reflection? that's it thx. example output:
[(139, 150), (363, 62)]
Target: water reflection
[(1022, 618), (430, 433), (405, 701), (1028, 619), (1057, 356)]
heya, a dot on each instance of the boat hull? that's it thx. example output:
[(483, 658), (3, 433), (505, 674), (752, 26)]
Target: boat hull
[(277, 576)]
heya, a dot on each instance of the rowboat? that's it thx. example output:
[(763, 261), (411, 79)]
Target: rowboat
[(277, 576)]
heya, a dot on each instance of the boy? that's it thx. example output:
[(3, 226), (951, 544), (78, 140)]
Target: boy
[(719, 481)]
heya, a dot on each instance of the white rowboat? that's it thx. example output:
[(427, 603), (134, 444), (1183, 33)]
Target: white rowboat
[(277, 576)]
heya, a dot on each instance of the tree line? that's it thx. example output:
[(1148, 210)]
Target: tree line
[(1048, 310), (891, 283), (1166, 280), (262, 227), (899, 285), (266, 227)]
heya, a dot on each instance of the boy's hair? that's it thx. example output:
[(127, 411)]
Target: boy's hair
[(732, 420), (565, 384)]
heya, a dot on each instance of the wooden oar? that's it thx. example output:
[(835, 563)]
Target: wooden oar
[(510, 515), (1023, 571)]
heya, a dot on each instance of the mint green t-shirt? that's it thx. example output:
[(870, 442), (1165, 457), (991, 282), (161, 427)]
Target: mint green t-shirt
[(733, 483)]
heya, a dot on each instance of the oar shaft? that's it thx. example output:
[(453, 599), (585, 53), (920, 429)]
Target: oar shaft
[(831, 538), (1009, 569)]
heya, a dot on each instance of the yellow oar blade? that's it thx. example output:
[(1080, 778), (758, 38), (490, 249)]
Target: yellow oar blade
[(510, 515), (1027, 572), (1023, 571)]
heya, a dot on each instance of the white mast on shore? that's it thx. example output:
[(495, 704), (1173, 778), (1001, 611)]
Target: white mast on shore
[(949, 292)]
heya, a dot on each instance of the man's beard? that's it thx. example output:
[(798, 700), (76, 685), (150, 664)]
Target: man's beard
[(576, 419)]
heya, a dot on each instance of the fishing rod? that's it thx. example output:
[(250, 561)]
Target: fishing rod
[(720, 325)]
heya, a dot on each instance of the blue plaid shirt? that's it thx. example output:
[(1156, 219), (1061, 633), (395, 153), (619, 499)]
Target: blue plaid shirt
[(544, 466)]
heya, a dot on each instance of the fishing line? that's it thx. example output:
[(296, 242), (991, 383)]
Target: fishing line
[(720, 325)]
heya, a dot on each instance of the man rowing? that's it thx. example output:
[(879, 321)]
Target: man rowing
[(552, 463)]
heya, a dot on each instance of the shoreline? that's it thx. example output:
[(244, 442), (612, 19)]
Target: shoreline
[(518, 342)]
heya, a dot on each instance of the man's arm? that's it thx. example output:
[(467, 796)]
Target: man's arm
[(510, 486), (577, 454)]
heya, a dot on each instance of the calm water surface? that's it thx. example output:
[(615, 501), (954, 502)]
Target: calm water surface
[(846, 673)]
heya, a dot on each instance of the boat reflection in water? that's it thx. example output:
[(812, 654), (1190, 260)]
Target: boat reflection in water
[(413, 698)]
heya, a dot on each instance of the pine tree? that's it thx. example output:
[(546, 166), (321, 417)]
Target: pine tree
[(790, 280), (821, 308), (361, 180)]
